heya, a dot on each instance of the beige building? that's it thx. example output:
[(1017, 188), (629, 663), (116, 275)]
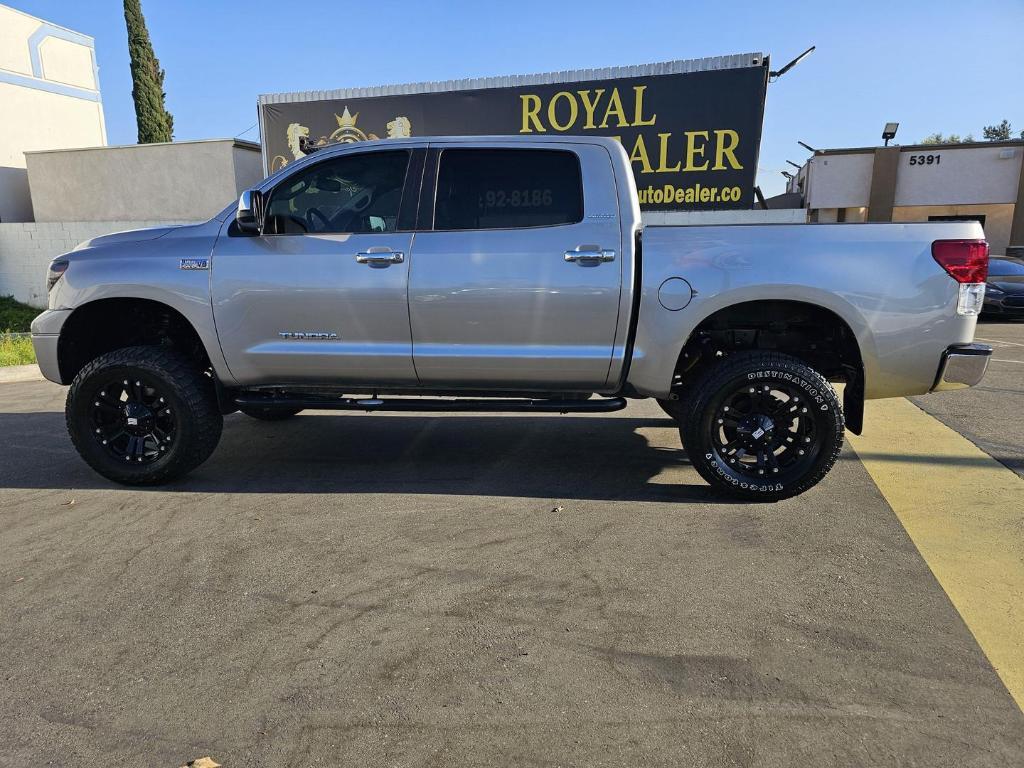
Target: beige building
[(49, 99), (922, 182)]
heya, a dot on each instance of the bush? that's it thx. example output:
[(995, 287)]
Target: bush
[(16, 350), (15, 317)]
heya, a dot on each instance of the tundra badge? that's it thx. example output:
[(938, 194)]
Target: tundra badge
[(308, 335)]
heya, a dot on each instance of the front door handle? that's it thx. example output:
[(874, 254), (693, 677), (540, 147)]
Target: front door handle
[(380, 257), (590, 255)]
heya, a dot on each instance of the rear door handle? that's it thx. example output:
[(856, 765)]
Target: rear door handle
[(590, 255), (380, 257)]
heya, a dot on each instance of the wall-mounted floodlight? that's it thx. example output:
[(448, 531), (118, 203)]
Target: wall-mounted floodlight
[(808, 147), (889, 132), (795, 165), (773, 76)]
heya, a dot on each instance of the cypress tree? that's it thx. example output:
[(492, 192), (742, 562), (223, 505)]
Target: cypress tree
[(154, 121)]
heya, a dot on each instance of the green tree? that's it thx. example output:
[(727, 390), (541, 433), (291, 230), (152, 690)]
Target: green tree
[(999, 132), (154, 121), (953, 138)]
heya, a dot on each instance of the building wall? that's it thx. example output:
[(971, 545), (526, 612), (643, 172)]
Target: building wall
[(968, 176), (49, 98), (188, 180), (857, 215), (998, 219), (248, 167), (26, 249), (918, 183), (839, 181)]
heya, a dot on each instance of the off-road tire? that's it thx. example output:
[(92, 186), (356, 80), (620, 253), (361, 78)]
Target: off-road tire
[(193, 421), (269, 412), (818, 415)]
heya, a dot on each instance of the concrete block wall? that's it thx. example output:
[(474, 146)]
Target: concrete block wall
[(27, 248), (177, 180)]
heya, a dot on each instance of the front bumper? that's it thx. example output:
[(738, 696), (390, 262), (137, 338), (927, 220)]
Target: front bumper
[(963, 365), (45, 338)]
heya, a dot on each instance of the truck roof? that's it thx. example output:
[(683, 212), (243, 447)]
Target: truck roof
[(499, 138), (331, 149)]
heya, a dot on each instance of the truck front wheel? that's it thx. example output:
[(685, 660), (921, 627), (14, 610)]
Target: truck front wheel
[(143, 415), (763, 426)]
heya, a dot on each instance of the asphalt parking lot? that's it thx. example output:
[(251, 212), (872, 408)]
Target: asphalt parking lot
[(991, 415), (405, 590)]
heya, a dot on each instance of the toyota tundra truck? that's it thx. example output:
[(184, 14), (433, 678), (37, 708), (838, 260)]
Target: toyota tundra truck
[(503, 274)]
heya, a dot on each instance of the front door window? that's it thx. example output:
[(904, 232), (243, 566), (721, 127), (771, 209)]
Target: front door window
[(357, 194)]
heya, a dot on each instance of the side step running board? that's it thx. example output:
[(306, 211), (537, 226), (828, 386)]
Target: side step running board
[(481, 405)]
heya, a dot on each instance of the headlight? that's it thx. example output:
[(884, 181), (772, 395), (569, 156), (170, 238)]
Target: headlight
[(56, 271), (992, 290)]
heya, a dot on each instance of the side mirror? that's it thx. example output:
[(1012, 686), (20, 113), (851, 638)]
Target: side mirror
[(249, 215)]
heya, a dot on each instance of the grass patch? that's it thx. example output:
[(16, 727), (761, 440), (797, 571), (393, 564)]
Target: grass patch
[(16, 350), (16, 317)]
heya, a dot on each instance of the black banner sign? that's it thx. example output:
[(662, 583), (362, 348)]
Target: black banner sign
[(692, 138)]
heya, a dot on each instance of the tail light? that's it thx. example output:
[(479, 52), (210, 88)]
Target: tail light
[(966, 261)]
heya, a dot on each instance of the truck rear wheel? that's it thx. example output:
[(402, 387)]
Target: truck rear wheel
[(762, 425), (143, 415)]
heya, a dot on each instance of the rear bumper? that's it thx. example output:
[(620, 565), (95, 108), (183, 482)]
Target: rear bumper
[(962, 365)]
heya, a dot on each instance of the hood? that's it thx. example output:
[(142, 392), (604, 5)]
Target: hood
[(131, 236)]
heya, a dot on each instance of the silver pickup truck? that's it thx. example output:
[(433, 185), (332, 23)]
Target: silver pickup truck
[(505, 275)]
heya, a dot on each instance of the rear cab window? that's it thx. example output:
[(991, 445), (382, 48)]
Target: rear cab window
[(507, 189)]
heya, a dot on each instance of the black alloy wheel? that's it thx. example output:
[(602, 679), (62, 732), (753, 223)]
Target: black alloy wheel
[(765, 431), (132, 420)]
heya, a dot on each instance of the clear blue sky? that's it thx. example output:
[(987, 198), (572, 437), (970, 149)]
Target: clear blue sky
[(933, 66)]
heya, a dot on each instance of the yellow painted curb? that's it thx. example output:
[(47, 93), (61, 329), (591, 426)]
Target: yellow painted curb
[(965, 513)]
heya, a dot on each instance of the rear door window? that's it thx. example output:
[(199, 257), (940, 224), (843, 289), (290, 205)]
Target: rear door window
[(507, 189)]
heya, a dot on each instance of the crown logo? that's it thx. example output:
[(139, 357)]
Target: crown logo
[(346, 119), (346, 132)]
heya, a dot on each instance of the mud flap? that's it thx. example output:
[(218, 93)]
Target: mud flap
[(853, 400)]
